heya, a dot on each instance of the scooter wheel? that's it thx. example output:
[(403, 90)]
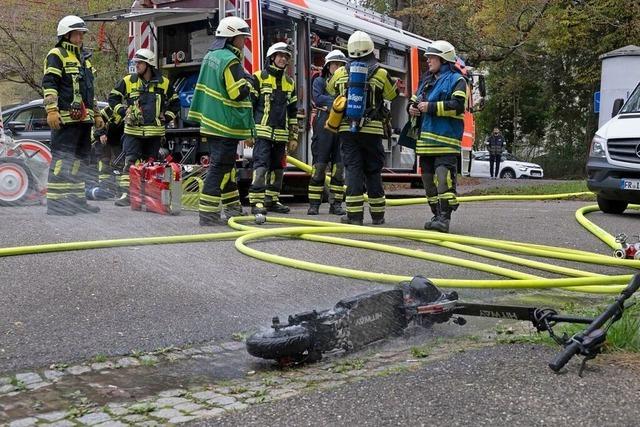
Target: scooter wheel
[(289, 342)]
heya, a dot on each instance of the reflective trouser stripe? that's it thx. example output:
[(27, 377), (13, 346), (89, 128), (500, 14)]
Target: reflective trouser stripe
[(355, 204), (209, 203), (377, 204)]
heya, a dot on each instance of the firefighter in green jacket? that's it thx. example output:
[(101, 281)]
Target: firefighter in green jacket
[(222, 105), (362, 150), (71, 112), (274, 111), (147, 102)]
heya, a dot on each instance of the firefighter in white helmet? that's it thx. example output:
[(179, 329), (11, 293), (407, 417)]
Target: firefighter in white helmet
[(147, 102), (275, 114), (222, 105), (325, 145), (439, 104), (68, 86), (362, 150)]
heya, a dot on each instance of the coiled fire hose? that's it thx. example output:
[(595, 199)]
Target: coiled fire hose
[(324, 232)]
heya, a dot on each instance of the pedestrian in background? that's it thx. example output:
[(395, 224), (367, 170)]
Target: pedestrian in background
[(495, 145)]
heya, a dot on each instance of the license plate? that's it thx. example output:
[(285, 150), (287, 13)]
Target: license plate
[(630, 184), (536, 173)]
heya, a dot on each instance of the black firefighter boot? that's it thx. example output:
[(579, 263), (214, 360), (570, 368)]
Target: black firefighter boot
[(277, 207), (81, 205), (208, 219), (352, 219), (435, 209), (442, 221), (234, 210), (314, 209), (336, 208)]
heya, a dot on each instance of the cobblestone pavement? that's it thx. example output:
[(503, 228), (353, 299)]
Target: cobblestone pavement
[(174, 385)]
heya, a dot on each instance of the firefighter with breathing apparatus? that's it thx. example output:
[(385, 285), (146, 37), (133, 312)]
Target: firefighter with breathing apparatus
[(358, 114), (68, 87), (274, 112), (147, 102), (222, 105), (325, 145), (438, 109)]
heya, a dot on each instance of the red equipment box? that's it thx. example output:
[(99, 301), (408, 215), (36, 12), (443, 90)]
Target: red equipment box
[(156, 187)]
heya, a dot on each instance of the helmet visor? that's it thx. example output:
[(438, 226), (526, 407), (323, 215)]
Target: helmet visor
[(433, 51)]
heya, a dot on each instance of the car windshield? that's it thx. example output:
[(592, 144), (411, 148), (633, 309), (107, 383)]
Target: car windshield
[(633, 103)]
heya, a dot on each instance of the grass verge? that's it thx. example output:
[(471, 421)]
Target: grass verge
[(540, 188)]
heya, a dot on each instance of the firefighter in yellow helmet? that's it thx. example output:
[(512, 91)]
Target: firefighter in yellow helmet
[(361, 140), (222, 105), (68, 86), (147, 102), (274, 112)]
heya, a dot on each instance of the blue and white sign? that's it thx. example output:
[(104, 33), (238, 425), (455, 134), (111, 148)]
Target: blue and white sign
[(596, 102)]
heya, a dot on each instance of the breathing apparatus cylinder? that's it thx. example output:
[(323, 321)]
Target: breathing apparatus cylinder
[(357, 94)]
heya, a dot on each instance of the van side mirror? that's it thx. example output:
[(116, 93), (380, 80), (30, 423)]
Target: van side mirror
[(617, 105)]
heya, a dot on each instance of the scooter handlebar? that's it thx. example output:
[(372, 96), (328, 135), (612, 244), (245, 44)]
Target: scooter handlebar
[(573, 348), (563, 358), (631, 287)]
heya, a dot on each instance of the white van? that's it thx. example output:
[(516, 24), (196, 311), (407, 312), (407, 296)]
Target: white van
[(613, 167)]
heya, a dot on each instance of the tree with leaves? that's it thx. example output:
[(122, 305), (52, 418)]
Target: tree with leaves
[(27, 34)]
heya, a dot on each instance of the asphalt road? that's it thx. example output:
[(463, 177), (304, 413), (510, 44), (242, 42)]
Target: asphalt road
[(71, 306), (497, 386)]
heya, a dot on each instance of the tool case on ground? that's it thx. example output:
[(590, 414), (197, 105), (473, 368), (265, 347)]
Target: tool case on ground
[(156, 187)]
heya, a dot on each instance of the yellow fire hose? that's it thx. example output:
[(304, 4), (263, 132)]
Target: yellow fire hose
[(324, 232)]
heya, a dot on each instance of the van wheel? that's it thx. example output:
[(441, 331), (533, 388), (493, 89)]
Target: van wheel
[(508, 174), (612, 206)]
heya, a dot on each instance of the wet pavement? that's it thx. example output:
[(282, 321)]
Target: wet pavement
[(126, 326)]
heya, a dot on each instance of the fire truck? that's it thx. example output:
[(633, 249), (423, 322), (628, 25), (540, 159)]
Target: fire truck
[(181, 31)]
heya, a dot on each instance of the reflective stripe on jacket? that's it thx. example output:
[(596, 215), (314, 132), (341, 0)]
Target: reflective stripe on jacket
[(275, 105), (443, 123), (221, 101), (68, 79), (149, 102)]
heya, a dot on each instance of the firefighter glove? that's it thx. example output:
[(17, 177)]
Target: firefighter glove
[(98, 122), (54, 120), (293, 144)]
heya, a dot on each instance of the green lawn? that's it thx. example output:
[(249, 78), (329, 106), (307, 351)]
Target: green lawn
[(539, 188)]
